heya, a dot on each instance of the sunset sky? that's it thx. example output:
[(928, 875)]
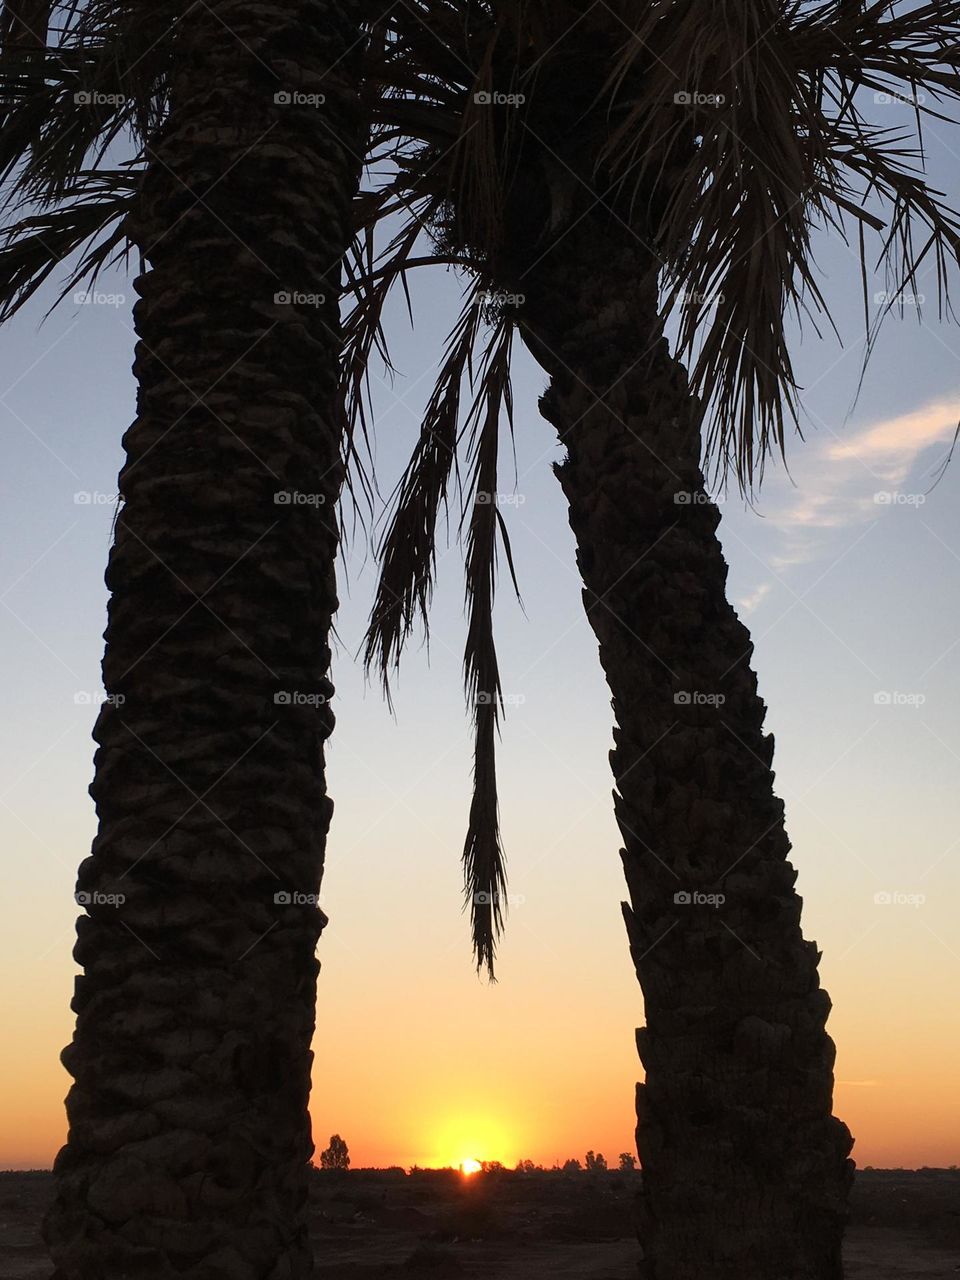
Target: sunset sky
[(854, 606)]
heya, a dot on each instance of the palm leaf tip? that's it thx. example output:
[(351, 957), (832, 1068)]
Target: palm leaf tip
[(484, 864)]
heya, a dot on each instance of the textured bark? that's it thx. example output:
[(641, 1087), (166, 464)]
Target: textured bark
[(745, 1172), (189, 1145)]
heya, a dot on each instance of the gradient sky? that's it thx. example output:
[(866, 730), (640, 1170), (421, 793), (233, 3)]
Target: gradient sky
[(417, 1059)]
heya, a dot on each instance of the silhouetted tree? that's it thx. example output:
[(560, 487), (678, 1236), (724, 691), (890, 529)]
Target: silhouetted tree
[(572, 1166), (146, 127), (627, 1161), (580, 222), (595, 1163), (336, 1155)]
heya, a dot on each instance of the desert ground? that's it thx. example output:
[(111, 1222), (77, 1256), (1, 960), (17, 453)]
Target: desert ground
[(507, 1226)]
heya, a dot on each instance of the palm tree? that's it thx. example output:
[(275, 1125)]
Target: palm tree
[(591, 169), (189, 1142)]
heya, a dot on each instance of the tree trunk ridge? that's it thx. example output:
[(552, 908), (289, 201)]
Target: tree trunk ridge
[(189, 1146), (746, 1173)]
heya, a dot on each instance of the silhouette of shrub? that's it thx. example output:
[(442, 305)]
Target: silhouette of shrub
[(336, 1155)]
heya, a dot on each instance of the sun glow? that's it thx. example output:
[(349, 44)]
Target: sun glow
[(469, 1167)]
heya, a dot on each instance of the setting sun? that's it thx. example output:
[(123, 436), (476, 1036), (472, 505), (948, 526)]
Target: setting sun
[(468, 1167)]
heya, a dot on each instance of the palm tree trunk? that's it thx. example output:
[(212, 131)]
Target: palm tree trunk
[(745, 1172), (189, 1144)]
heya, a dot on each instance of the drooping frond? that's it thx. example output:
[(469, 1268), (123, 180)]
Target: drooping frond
[(407, 552), (485, 879)]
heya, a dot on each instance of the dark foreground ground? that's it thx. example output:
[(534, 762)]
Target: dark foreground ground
[(436, 1226)]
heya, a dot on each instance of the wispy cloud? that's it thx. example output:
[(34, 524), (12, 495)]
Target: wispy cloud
[(747, 604), (848, 483), (900, 440)]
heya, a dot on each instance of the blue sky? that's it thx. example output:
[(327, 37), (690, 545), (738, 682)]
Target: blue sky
[(848, 598)]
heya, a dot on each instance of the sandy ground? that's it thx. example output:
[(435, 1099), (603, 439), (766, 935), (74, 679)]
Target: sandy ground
[(372, 1227)]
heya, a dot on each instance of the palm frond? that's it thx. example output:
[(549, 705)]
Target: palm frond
[(82, 84), (485, 878), (769, 144), (408, 561), (35, 246), (407, 552)]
